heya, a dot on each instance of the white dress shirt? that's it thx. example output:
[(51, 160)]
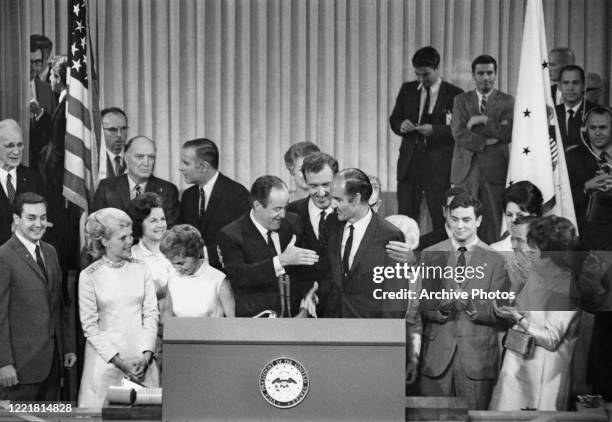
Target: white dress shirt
[(359, 231), (3, 174), (314, 213), (208, 187), (433, 97)]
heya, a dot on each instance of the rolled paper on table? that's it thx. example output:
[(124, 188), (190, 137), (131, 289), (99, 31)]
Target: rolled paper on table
[(148, 396), (122, 395)]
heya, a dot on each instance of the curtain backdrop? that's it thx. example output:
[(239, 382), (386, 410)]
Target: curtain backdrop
[(258, 75)]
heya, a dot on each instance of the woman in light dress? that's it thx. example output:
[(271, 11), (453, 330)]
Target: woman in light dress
[(195, 289), (543, 309), (118, 310)]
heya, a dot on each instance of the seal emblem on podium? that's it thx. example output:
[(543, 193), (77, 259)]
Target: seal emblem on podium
[(284, 382)]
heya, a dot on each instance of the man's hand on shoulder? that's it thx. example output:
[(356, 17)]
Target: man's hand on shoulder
[(8, 376), (400, 251)]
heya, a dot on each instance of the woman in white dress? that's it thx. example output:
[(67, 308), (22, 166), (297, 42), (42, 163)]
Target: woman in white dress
[(544, 311), (195, 289), (118, 310)]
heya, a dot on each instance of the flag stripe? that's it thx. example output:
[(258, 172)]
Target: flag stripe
[(75, 147)]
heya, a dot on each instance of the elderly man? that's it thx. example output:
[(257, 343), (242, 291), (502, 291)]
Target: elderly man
[(140, 153), (14, 176), (558, 58)]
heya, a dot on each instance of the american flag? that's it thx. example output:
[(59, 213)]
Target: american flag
[(81, 148)]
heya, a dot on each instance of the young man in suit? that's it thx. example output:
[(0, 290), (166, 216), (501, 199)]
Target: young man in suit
[(356, 244), (482, 127), (459, 354), (421, 116), (115, 126), (258, 250), (15, 178), (117, 192), (573, 106), (33, 321), (214, 200)]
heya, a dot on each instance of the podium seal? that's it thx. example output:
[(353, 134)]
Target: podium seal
[(284, 383)]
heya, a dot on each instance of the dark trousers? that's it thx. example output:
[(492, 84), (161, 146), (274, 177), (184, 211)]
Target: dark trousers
[(421, 178), (46, 390)]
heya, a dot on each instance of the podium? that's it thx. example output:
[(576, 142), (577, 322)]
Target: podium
[(284, 369)]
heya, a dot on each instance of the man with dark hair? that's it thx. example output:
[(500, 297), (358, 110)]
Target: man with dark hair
[(590, 174), (422, 116), (33, 319), (214, 200), (558, 58), (459, 355), (114, 126), (15, 178), (355, 243), (117, 192), (294, 157), (444, 232), (482, 127), (259, 249), (573, 106)]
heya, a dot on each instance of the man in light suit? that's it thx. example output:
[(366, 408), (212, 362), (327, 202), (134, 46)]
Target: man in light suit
[(459, 354), (482, 127), (214, 200), (117, 192), (259, 249), (115, 126), (15, 178), (33, 332), (421, 116), (356, 242)]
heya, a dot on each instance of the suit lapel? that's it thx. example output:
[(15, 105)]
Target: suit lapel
[(562, 121), (369, 234), (254, 237), (23, 253), (23, 182), (123, 189), (415, 106), (440, 100), (213, 202)]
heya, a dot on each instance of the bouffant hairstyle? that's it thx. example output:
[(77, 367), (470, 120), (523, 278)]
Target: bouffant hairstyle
[(526, 195), (408, 227), (182, 240), (555, 237), (140, 208), (101, 225)]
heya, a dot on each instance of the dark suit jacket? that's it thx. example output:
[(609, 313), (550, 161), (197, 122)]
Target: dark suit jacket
[(248, 263), (440, 143), (39, 128), (571, 141), (110, 167), (471, 144), (581, 167), (51, 158), (115, 192), (474, 338), (31, 311), (28, 180), (228, 201), (353, 297)]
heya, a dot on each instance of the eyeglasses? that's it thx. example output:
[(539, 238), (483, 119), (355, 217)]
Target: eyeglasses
[(116, 130)]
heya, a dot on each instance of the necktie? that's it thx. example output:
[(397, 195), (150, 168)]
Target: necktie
[(137, 191), (119, 166), (322, 225), (40, 261), (483, 105), (271, 243), (203, 202), (10, 189), (603, 158), (347, 251), (425, 113), (573, 129), (461, 260)]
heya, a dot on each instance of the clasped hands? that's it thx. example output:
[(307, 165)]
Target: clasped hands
[(407, 126), (602, 182), (135, 368)]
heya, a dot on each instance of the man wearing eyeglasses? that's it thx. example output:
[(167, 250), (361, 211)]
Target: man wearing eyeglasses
[(114, 125)]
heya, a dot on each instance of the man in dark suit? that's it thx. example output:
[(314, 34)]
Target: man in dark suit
[(482, 127), (14, 177), (558, 58), (117, 192), (356, 242), (590, 170), (258, 251), (33, 319), (573, 106), (115, 126), (214, 200), (459, 354), (422, 116), (437, 236)]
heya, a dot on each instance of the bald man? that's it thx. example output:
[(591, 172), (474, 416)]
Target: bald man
[(558, 58), (140, 153), (15, 178)]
